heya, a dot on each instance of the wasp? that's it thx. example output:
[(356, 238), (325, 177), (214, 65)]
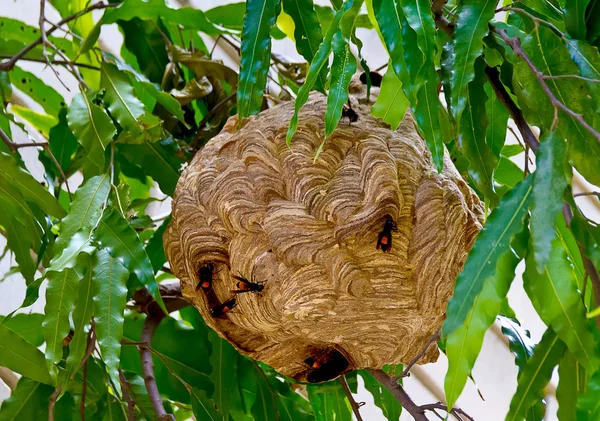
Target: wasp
[(205, 273), (224, 308), (244, 285), (326, 366), (385, 236), (349, 112)]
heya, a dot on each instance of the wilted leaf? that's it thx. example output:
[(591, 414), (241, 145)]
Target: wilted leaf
[(193, 90)]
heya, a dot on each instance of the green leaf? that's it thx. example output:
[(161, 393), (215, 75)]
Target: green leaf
[(29, 401), (50, 100), (571, 379), (497, 116), (92, 127), (17, 238), (419, 17), (156, 10), (41, 121), (61, 294), (588, 236), (224, 361), (158, 160), (549, 183), (123, 243), (255, 54), (470, 29), (587, 404), (139, 394), (307, 32), (22, 357), (319, 62), (342, 70), (84, 309), (155, 249), (120, 98), (86, 209), (473, 127), (192, 367), (575, 17), (256, 391), (464, 344), (555, 297), (28, 326), (588, 61), (508, 173), (29, 187), (63, 143), (492, 242), (329, 402), (145, 89), (229, 15), (391, 104), (110, 297), (536, 375), (382, 397), (79, 243), (389, 17), (204, 407)]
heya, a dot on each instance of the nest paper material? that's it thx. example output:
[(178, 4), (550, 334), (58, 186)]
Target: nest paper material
[(252, 206)]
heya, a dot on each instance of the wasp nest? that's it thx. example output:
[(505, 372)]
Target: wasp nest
[(279, 251)]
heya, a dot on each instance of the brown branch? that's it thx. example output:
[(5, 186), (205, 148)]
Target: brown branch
[(586, 79), (45, 43), (6, 66), (130, 403), (83, 390), (515, 45), (457, 412), (60, 170), (52, 402), (587, 193), (391, 384), (433, 338), (355, 406), (89, 349)]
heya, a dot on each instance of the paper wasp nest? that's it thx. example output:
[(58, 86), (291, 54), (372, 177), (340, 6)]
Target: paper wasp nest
[(252, 206)]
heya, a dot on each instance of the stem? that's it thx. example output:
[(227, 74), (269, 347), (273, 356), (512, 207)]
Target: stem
[(399, 393), (433, 338), (130, 404), (355, 406)]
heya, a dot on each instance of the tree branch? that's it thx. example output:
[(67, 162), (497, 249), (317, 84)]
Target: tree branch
[(6, 66), (130, 404), (60, 62), (391, 384), (515, 45), (433, 338), (355, 406)]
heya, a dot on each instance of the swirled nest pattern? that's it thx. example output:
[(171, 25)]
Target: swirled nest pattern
[(308, 229)]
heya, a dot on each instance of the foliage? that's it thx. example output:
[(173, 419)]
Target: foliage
[(140, 117)]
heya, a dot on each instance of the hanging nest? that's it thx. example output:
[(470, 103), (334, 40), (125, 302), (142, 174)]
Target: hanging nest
[(252, 213)]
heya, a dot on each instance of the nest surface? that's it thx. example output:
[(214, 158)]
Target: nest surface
[(254, 207)]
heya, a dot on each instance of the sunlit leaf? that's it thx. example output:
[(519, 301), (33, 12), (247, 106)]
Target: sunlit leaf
[(22, 357), (110, 297), (382, 397), (46, 96), (588, 61), (78, 243), (549, 183), (391, 104), (40, 121), (28, 326), (492, 242), (420, 19), (329, 402)]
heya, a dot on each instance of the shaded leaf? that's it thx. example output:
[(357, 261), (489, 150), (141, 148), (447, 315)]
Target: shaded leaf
[(92, 127), (61, 294), (192, 90), (588, 61), (255, 54), (575, 17), (497, 116), (329, 402), (391, 104), (464, 344), (256, 391), (419, 17), (382, 397), (155, 249), (389, 17), (549, 183), (555, 297), (536, 375), (224, 361), (470, 29), (123, 244), (62, 141), (204, 407), (587, 404), (571, 377), (29, 401), (492, 242), (110, 297)]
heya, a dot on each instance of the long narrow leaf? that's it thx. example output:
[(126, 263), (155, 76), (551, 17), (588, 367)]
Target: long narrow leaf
[(391, 104), (492, 242)]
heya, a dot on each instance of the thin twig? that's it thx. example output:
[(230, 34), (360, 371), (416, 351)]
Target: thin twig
[(587, 193), (8, 65), (391, 384), (89, 349), (457, 412), (353, 404), (130, 403), (45, 43), (59, 62), (515, 45), (433, 338), (587, 79), (533, 18), (66, 31), (60, 170), (83, 390)]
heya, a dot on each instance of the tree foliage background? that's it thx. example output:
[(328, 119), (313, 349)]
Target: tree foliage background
[(140, 117)]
